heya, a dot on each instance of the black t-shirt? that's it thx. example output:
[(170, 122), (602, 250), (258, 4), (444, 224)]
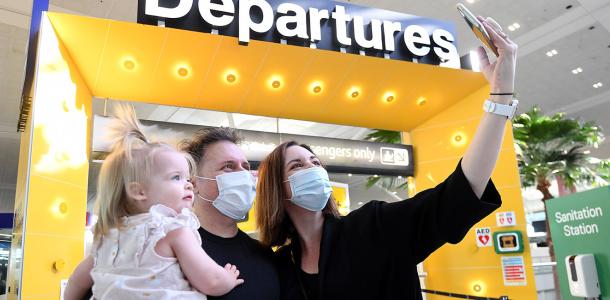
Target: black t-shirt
[(373, 252), (254, 262), (310, 284)]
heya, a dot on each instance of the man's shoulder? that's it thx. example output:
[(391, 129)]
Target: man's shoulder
[(253, 243)]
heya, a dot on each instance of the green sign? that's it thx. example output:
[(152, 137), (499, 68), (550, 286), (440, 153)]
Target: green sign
[(580, 224), (506, 242)]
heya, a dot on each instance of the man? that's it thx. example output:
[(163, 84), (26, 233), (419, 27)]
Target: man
[(216, 153), (222, 169)]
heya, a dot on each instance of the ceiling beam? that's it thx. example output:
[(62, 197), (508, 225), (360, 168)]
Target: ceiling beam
[(556, 29), (583, 104)]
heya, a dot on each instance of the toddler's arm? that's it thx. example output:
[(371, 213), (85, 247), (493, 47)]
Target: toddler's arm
[(202, 272), (80, 281)]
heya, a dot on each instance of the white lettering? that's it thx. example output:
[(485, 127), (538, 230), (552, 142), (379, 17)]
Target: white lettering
[(389, 29), (315, 18), (246, 24), (415, 34), (578, 215), (227, 7), (152, 8), (341, 19), (299, 19), (581, 229), (295, 21), (444, 39), (376, 40)]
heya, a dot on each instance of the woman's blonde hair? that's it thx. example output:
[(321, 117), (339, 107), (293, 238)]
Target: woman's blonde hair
[(275, 228), (130, 160)]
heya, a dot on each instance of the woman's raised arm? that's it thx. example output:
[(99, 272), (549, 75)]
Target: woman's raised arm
[(482, 154)]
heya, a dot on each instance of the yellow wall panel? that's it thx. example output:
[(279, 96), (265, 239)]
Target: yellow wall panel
[(154, 51), (89, 47), (178, 76), (41, 279), (215, 92), (130, 70), (56, 207), (57, 172), (436, 156)]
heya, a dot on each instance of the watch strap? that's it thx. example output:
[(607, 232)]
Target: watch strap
[(508, 111)]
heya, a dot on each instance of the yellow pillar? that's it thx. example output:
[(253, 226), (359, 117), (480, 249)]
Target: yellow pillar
[(50, 204), (439, 143)]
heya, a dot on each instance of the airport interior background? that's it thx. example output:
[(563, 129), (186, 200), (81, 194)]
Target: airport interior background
[(563, 68)]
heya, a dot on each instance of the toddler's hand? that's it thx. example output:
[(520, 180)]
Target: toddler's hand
[(233, 273)]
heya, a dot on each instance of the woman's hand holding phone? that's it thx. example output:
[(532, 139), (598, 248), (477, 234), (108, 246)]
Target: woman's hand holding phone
[(501, 73)]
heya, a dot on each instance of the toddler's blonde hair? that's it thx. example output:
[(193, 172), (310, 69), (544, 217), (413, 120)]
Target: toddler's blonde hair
[(130, 160)]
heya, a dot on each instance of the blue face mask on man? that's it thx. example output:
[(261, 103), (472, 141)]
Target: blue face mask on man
[(310, 188), (236, 192)]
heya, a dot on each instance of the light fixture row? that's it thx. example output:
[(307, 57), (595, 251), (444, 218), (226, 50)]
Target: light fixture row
[(514, 26), (275, 82), (595, 85)]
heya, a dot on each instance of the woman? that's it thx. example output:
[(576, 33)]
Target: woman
[(372, 253)]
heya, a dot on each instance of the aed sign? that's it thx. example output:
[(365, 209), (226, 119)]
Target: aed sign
[(320, 24), (508, 242), (484, 237), (507, 218)]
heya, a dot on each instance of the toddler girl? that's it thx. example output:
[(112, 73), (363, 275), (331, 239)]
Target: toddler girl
[(146, 241)]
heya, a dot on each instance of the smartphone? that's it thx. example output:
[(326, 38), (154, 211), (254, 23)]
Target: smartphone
[(477, 28)]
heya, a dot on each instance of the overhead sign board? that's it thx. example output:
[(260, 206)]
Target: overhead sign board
[(321, 24), (339, 155)]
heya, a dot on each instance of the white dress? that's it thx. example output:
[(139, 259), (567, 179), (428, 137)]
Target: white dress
[(126, 265)]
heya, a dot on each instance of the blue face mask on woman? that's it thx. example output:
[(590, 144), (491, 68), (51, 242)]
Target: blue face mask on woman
[(310, 188), (236, 191)]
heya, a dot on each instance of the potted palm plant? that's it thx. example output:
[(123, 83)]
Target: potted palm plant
[(555, 148)]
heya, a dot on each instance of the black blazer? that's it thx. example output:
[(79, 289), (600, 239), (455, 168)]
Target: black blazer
[(373, 252)]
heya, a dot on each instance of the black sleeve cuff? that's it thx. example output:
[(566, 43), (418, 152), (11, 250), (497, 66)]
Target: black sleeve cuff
[(466, 209)]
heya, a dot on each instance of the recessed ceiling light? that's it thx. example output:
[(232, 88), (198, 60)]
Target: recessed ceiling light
[(552, 53), (577, 70), (511, 28), (182, 71), (275, 82), (316, 87), (389, 97), (421, 101), (598, 85), (354, 92), (129, 64), (516, 25), (470, 1)]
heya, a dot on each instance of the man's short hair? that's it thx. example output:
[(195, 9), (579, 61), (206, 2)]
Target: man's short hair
[(202, 139)]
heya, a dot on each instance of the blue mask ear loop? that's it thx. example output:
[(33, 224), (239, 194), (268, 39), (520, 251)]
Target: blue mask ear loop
[(206, 178)]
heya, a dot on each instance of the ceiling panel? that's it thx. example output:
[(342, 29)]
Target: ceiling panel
[(549, 82)]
